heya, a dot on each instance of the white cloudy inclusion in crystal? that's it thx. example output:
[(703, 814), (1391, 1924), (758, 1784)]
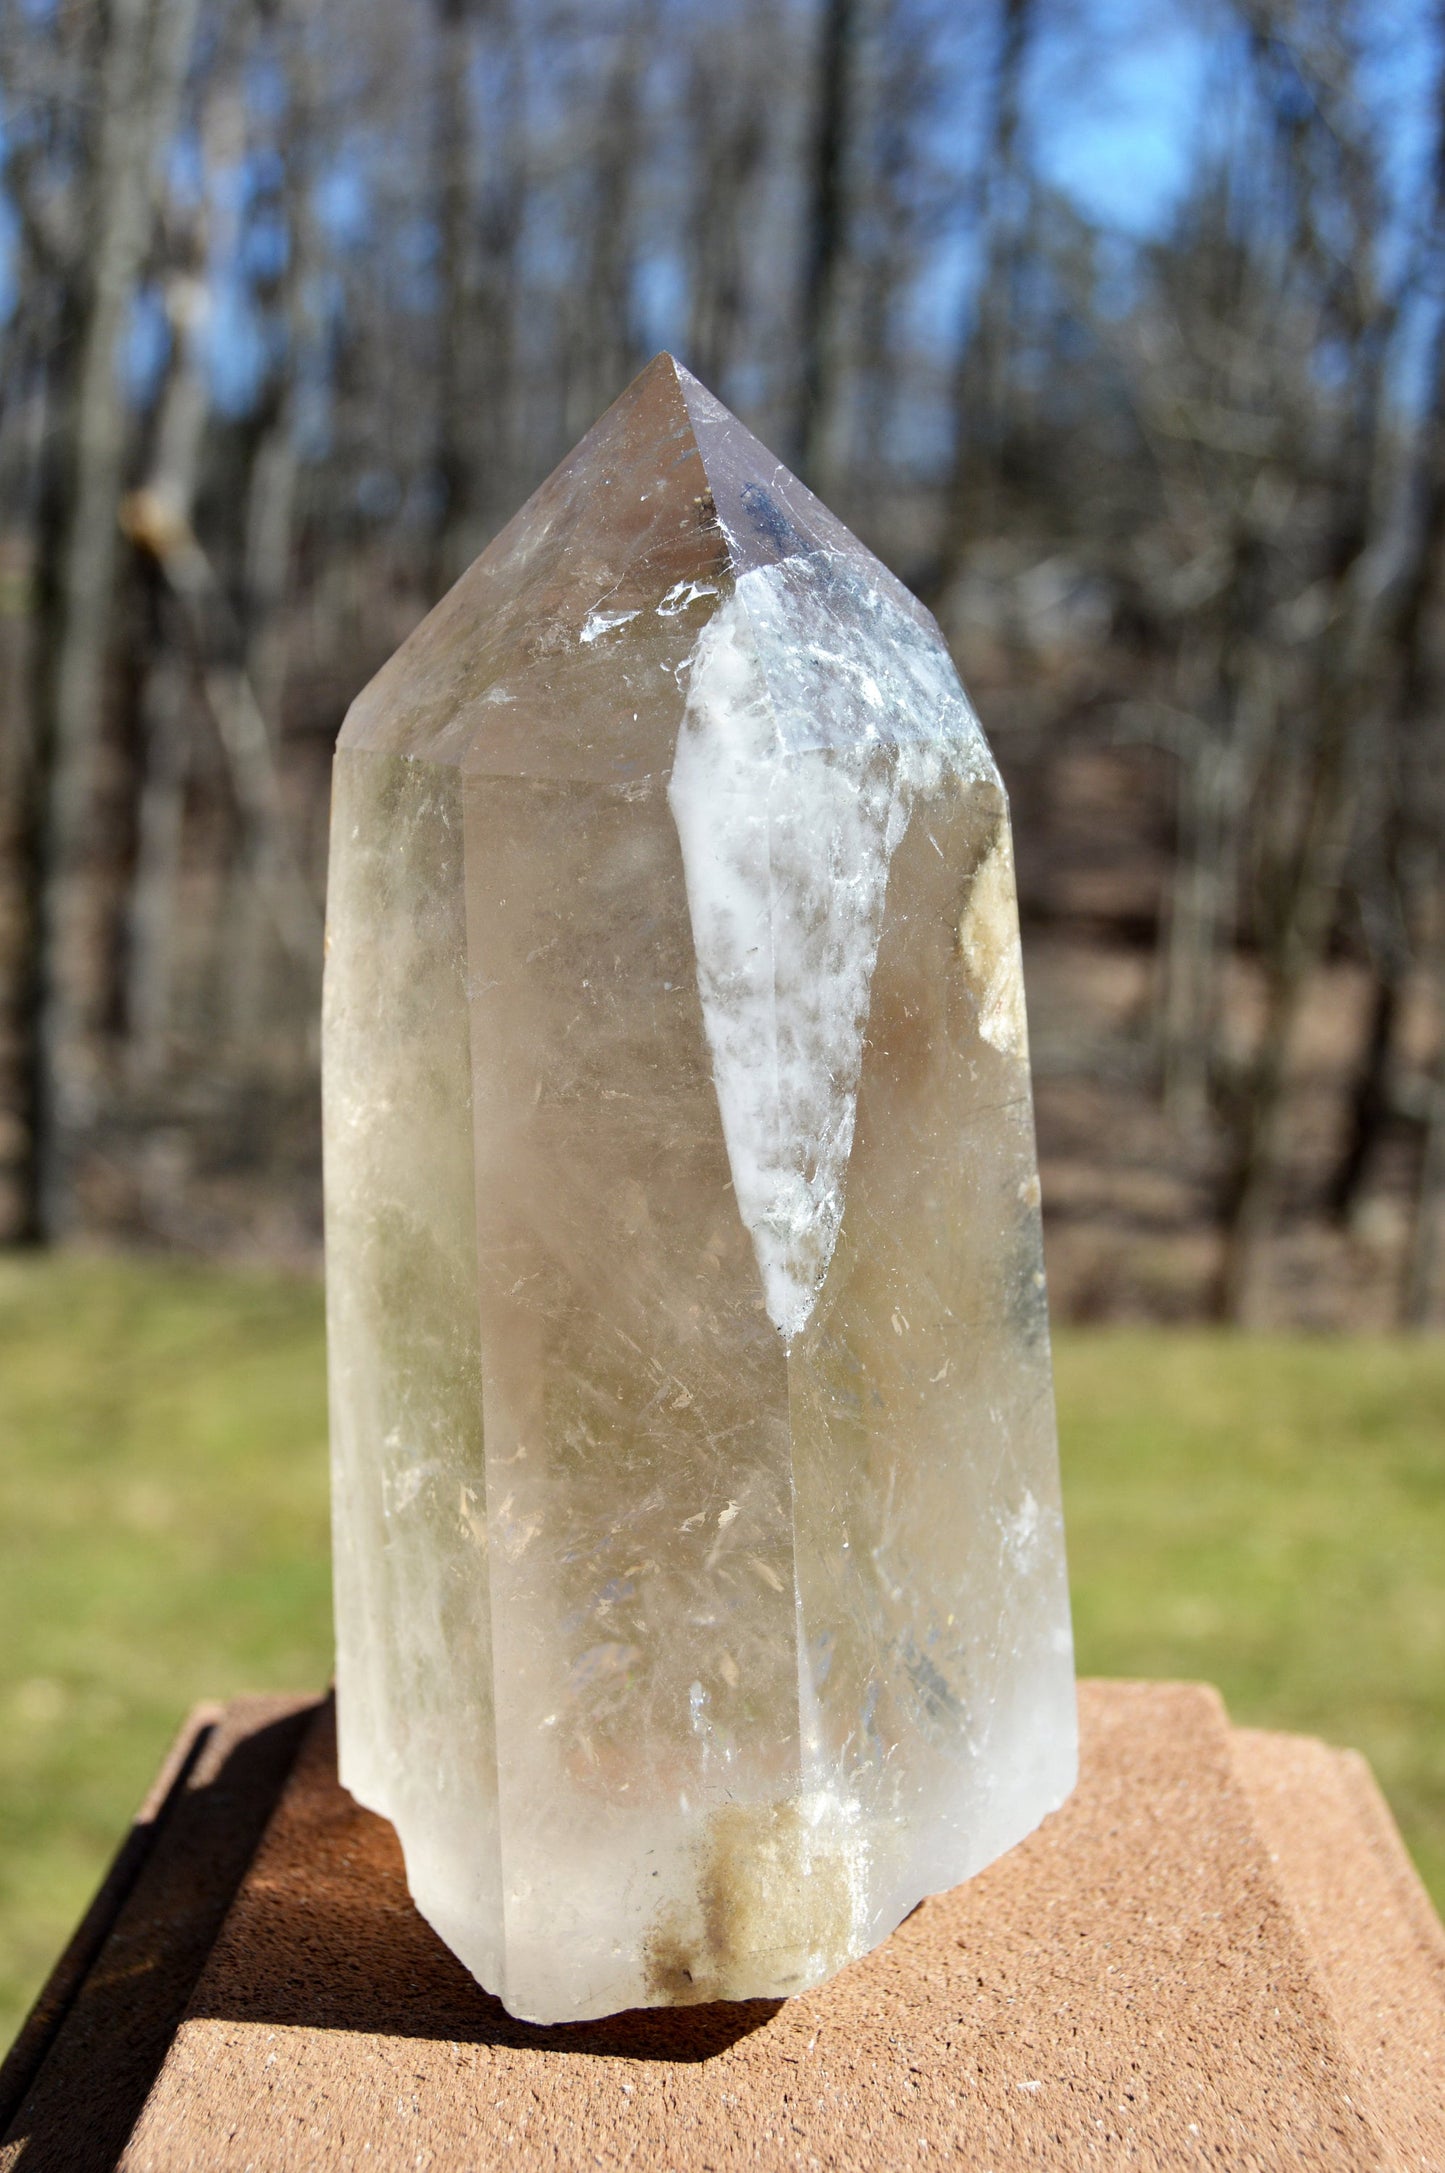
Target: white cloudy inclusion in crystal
[(793, 781)]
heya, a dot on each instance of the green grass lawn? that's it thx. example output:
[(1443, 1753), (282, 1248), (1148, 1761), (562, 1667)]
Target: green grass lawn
[(1266, 1514)]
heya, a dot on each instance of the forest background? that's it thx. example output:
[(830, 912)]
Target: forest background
[(1119, 331), (1117, 327)]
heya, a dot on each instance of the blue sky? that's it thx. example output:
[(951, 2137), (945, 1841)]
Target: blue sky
[(1116, 95), (1115, 102)]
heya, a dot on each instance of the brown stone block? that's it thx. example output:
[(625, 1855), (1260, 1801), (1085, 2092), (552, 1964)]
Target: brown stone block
[(1217, 1954)]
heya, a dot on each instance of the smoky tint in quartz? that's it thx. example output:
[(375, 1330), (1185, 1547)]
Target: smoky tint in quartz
[(699, 1564)]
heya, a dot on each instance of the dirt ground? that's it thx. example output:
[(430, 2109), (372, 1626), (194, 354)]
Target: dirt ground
[(1128, 1206)]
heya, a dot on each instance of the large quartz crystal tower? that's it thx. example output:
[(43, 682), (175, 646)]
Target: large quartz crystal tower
[(699, 1566)]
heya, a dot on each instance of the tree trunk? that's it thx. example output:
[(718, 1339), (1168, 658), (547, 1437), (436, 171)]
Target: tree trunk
[(249, 933), (1247, 1197), (825, 241), (1199, 926), (155, 517), (1369, 1101), (604, 343), (981, 361), (455, 447), (729, 143), (154, 906), (140, 61), (1410, 678), (1422, 1260)]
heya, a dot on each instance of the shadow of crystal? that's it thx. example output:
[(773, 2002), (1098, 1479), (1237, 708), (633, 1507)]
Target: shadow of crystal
[(324, 1936)]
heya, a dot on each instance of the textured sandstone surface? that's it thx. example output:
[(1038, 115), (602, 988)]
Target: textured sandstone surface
[(1216, 1955)]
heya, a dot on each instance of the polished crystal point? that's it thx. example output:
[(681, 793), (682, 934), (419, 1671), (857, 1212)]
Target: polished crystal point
[(699, 1566)]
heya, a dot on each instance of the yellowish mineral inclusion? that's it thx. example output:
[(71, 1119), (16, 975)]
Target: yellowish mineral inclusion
[(699, 1567)]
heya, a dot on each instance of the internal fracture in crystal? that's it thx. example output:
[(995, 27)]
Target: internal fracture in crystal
[(699, 1566)]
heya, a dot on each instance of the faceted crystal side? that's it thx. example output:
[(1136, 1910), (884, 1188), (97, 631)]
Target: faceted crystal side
[(413, 1620), (935, 1645), (597, 587), (694, 1443), (635, 1397)]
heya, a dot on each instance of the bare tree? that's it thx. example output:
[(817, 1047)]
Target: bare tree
[(1176, 480), (452, 184), (1329, 162), (980, 388), (726, 109), (134, 74), (825, 240)]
